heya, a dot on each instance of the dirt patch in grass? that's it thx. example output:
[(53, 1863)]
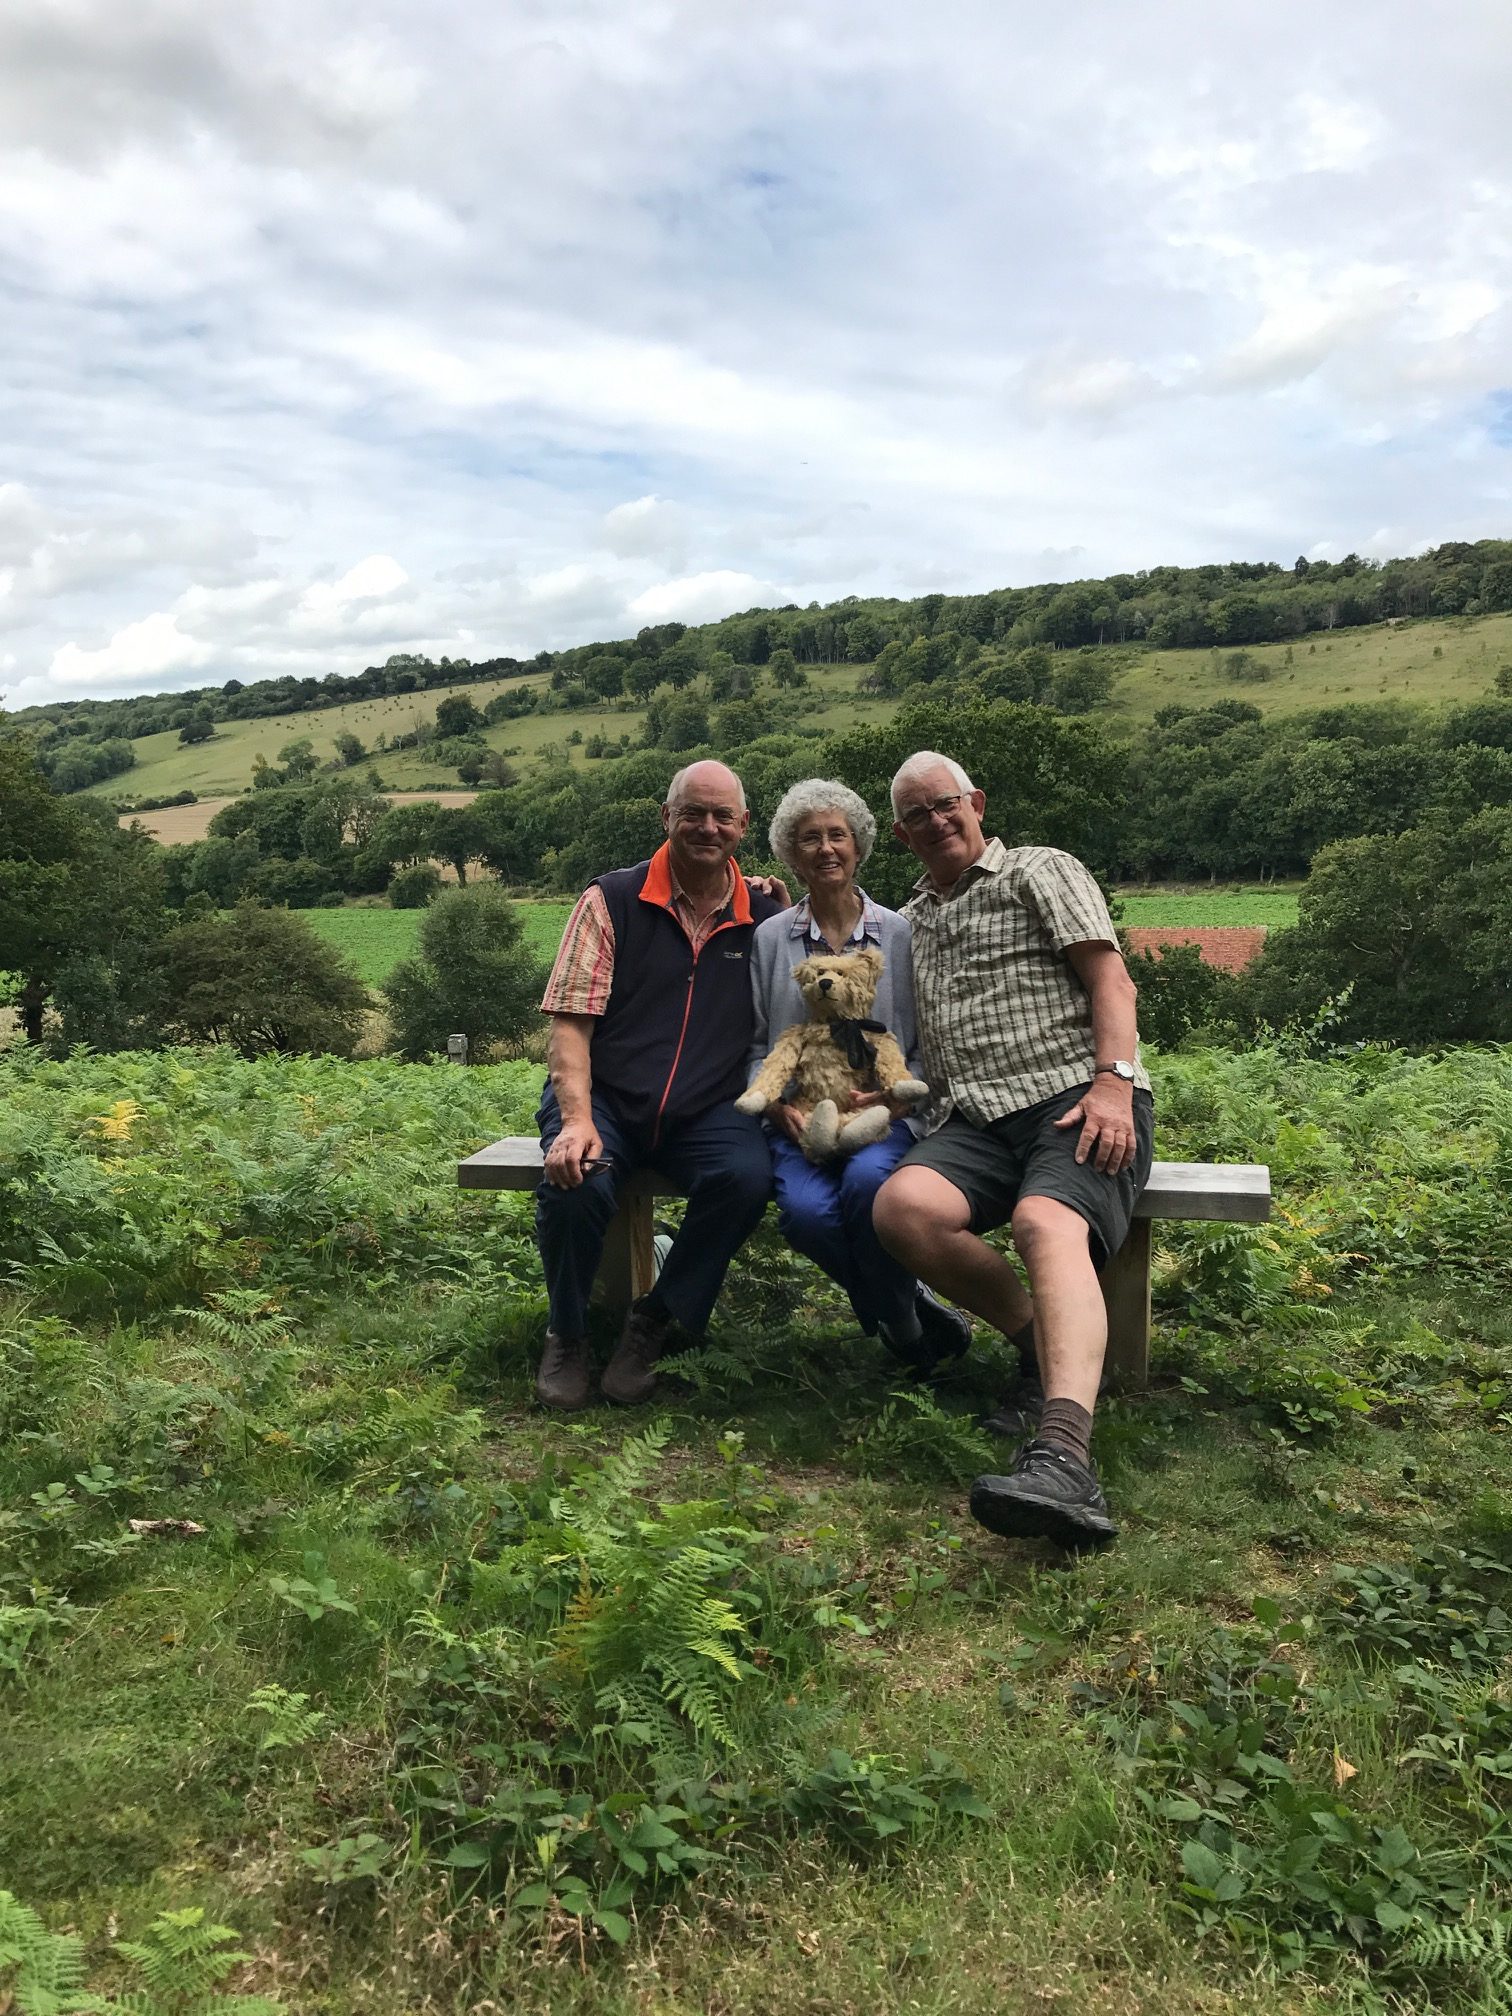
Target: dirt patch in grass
[(1231, 946)]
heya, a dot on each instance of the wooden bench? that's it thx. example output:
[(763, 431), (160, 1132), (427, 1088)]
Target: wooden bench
[(1236, 1192)]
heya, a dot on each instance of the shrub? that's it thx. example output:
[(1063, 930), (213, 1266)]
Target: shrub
[(1405, 933), (1179, 993), (297, 885), (415, 888), (474, 974), (260, 980)]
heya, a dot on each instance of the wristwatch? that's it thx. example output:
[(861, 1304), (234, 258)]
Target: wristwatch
[(1120, 1067)]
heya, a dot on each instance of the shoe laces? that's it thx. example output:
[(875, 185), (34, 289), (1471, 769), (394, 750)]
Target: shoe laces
[(1037, 1454)]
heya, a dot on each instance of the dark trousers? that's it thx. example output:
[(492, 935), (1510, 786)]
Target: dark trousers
[(719, 1158)]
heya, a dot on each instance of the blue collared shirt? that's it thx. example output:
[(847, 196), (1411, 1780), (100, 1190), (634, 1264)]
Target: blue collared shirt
[(868, 929)]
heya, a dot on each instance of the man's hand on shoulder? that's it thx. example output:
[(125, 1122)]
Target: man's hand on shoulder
[(773, 886), (1105, 1113)]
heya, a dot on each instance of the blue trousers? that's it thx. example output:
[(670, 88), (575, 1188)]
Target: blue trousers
[(719, 1158), (826, 1213)]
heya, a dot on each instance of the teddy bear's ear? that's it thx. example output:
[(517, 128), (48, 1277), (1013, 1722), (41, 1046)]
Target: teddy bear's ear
[(872, 960)]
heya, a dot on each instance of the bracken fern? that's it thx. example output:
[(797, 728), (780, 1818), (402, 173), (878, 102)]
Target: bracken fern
[(1479, 1957), (649, 1600), (41, 1972)]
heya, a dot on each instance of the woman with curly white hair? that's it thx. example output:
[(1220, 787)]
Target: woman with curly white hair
[(823, 832)]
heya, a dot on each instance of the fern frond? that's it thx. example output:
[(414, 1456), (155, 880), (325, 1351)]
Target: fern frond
[(1482, 1954), (624, 1473), (49, 1966), (21, 1930), (181, 1956)]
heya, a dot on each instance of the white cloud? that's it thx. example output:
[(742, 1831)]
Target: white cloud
[(701, 598), (372, 580), (646, 527), (155, 648), (572, 321)]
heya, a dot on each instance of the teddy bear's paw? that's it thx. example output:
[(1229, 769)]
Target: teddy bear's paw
[(869, 1125), (911, 1089), (822, 1132), (750, 1102)]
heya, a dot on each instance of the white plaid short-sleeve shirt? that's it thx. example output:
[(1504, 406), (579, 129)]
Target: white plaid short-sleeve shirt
[(1004, 1022)]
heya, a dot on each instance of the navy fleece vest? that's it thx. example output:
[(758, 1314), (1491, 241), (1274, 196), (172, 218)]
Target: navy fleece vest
[(674, 1037)]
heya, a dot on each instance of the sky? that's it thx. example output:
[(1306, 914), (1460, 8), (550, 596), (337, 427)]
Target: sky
[(486, 325)]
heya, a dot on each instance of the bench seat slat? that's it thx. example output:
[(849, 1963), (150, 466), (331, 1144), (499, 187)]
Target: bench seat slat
[(1238, 1192)]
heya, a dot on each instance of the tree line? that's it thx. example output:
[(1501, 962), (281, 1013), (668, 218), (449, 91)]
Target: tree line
[(1214, 791), (1228, 606)]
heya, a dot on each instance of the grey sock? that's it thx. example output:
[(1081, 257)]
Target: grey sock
[(1069, 1426)]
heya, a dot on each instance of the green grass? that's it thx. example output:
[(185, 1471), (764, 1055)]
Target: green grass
[(376, 938), (1274, 908), (222, 767), (1332, 668), (256, 1299)]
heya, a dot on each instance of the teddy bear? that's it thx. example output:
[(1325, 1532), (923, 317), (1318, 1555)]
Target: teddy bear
[(817, 1064)]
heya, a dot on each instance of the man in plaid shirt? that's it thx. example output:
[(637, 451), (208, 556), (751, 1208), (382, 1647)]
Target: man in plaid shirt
[(1044, 1122)]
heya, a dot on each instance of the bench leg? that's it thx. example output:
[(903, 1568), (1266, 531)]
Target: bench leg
[(628, 1267), (1126, 1291)]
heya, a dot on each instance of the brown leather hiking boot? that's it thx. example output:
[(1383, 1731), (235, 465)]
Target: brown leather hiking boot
[(565, 1378), (630, 1376)]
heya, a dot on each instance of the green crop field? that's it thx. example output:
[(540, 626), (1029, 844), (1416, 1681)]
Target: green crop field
[(1203, 908), (375, 938), (310, 1622)]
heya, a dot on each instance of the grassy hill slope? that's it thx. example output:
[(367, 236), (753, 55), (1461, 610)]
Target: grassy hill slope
[(1430, 663)]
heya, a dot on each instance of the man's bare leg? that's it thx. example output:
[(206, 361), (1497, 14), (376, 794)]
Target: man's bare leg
[(922, 1218), (925, 1220), (1071, 1328)]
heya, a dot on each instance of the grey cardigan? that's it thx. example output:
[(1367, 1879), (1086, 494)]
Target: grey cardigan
[(783, 942)]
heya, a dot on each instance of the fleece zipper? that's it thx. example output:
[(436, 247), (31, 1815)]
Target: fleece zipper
[(728, 925)]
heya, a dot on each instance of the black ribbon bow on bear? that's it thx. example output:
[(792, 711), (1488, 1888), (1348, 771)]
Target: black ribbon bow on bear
[(846, 1030)]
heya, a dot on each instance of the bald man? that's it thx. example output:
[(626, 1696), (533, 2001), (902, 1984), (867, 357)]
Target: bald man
[(651, 1020)]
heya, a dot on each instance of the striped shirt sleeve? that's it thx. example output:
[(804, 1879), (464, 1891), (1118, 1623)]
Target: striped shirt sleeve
[(1067, 900), (584, 970)]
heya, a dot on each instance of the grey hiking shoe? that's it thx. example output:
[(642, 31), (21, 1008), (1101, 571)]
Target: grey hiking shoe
[(1047, 1495), (1018, 1413), (944, 1334), (630, 1376), (565, 1377)]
